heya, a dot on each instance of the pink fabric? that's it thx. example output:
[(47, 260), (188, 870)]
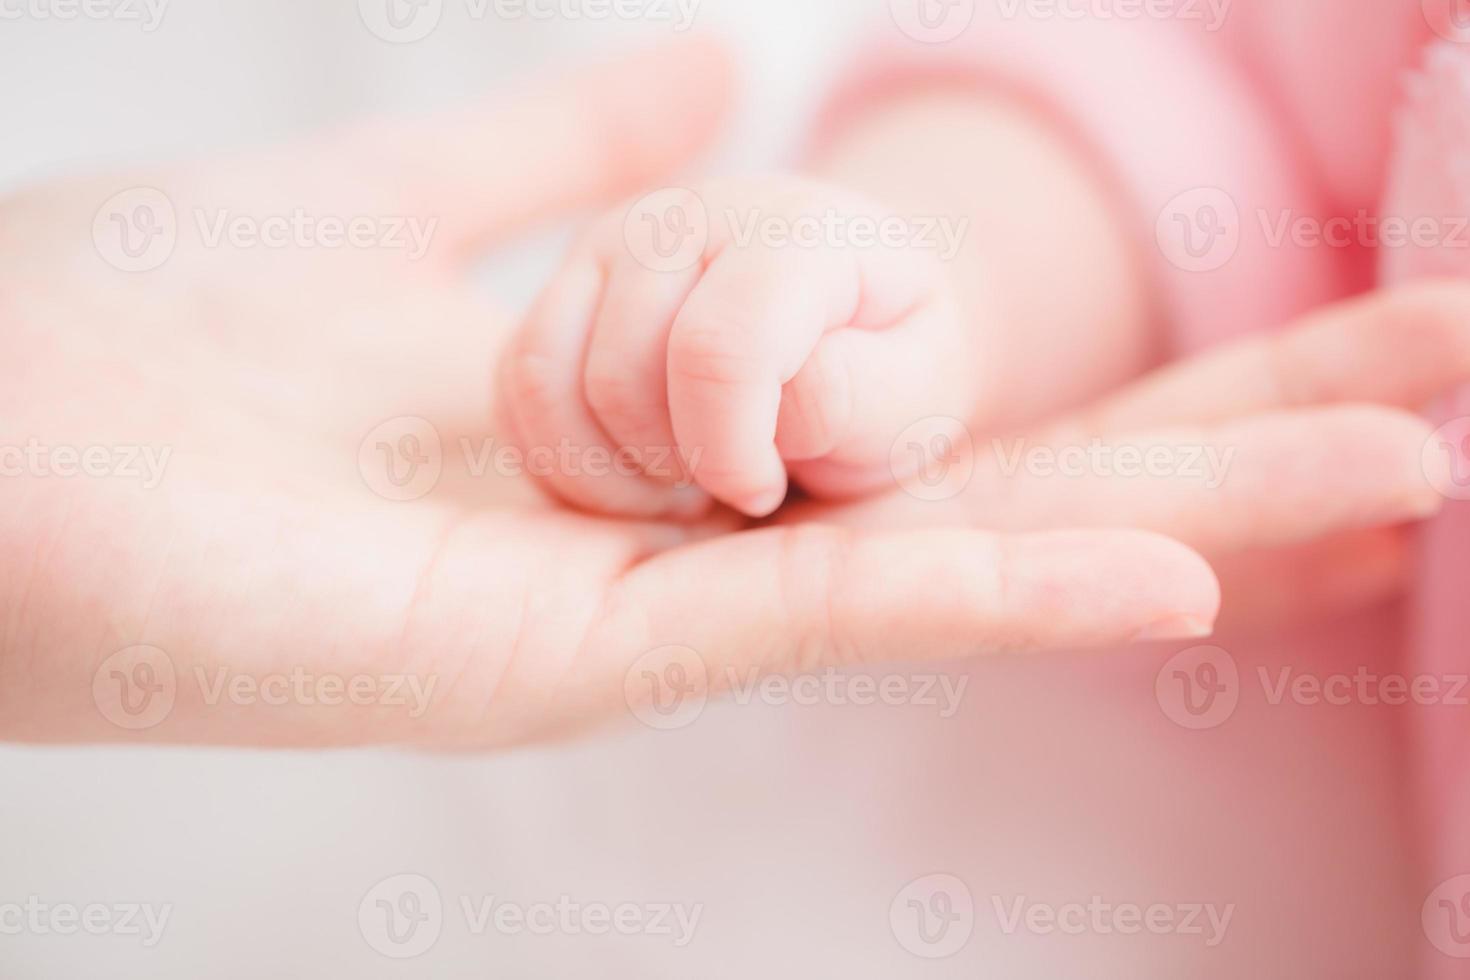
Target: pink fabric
[(1297, 107), (1170, 115), (1263, 110)]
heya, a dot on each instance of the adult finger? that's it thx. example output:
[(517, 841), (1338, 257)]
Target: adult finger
[(809, 597), (1265, 481), (545, 147), (1397, 347)]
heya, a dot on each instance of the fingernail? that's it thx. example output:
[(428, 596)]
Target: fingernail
[(1406, 509), (689, 503), (1175, 628), (765, 504), (1422, 506)]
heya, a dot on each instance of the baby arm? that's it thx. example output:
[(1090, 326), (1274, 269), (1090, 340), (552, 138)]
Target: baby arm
[(1050, 280)]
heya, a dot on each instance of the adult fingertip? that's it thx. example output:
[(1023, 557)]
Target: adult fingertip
[(1175, 628), (1171, 589), (689, 504), (688, 87), (1191, 582), (762, 504)]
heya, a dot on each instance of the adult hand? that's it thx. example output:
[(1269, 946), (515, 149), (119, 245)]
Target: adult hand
[(1291, 461), (257, 361)]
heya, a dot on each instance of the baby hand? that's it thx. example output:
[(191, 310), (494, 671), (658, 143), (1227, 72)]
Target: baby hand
[(716, 343)]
